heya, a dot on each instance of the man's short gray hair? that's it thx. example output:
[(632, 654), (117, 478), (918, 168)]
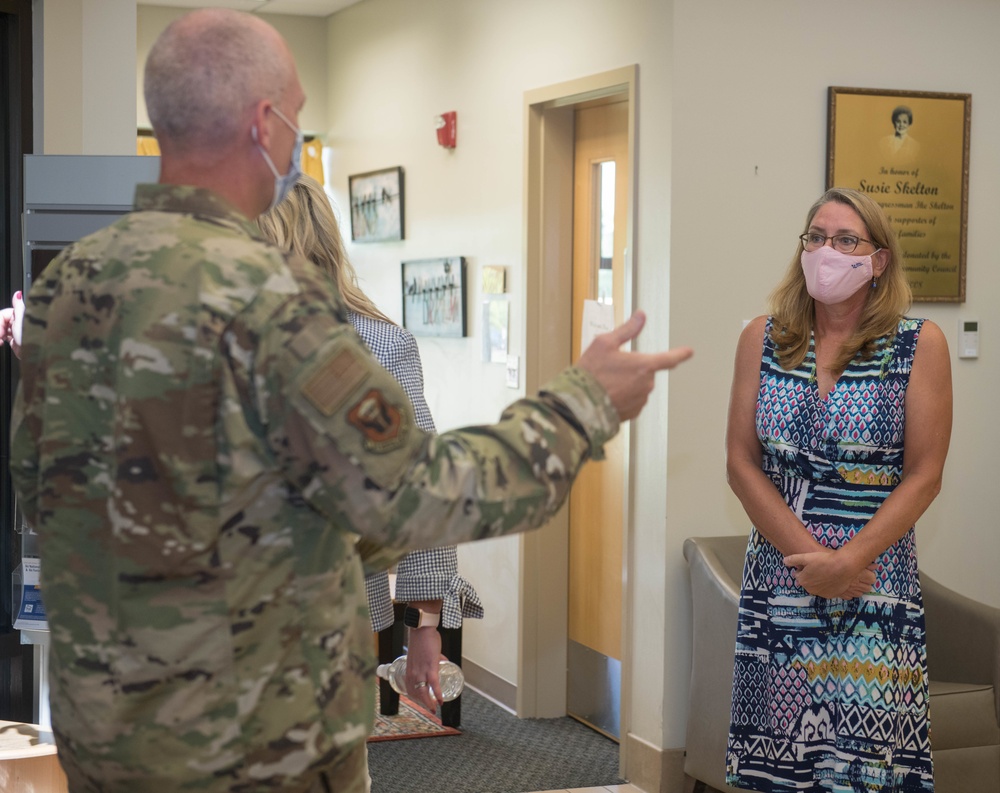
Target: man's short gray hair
[(204, 73)]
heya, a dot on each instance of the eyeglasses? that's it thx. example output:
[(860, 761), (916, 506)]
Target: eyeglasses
[(845, 243)]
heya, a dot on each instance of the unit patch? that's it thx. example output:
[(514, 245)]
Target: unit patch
[(381, 424), (334, 381)]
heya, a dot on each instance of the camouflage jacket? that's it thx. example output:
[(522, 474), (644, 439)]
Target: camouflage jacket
[(199, 438)]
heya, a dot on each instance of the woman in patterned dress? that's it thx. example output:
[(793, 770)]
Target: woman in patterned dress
[(830, 679), (304, 223)]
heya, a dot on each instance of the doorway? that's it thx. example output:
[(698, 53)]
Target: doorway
[(550, 119)]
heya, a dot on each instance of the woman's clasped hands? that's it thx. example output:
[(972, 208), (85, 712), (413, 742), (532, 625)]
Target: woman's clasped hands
[(829, 573)]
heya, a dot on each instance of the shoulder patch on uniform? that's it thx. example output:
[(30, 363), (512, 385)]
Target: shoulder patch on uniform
[(335, 380), (382, 424)]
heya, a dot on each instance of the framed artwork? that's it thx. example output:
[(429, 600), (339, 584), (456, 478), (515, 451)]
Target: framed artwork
[(494, 279), (909, 151), (434, 302), (376, 205)]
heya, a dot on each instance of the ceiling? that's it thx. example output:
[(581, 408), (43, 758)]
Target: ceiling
[(307, 8)]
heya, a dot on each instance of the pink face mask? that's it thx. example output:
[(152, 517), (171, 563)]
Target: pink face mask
[(832, 276)]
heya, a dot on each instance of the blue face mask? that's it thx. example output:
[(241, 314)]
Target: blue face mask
[(283, 184)]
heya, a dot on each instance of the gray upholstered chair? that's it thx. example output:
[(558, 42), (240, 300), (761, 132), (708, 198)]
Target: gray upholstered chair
[(963, 663), (963, 649), (716, 566)]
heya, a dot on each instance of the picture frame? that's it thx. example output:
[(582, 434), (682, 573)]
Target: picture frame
[(920, 180), (434, 297), (377, 206)]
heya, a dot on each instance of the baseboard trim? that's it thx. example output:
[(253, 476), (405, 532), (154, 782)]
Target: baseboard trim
[(652, 769), (491, 686)]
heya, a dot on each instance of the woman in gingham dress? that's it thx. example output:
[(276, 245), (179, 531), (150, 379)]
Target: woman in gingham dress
[(428, 580)]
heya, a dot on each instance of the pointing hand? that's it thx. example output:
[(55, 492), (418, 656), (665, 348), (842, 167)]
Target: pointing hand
[(628, 377)]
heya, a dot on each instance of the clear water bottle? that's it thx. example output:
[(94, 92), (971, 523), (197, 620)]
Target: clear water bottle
[(450, 674)]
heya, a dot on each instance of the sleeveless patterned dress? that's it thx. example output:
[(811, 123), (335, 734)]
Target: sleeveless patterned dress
[(831, 695)]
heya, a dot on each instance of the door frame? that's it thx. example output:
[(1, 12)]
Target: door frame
[(544, 554)]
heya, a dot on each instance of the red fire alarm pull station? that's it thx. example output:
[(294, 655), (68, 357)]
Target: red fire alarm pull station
[(446, 129)]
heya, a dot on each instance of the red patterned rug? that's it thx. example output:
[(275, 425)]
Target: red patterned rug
[(412, 721)]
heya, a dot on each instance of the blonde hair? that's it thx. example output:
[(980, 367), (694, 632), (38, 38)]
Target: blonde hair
[(793, 309), (304, 223)]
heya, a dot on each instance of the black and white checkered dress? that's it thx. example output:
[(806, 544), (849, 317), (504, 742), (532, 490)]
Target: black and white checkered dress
[(421, 575)]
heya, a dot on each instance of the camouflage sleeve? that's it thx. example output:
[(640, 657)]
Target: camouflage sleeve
[(343, 431), (375, 558)]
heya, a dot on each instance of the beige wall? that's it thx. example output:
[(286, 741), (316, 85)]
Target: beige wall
[(88, 60), (93, 52)]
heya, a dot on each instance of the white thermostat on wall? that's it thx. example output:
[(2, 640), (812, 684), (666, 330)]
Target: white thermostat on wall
[(968, 338)]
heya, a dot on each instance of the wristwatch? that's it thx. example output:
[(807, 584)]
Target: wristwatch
[(416, 618)]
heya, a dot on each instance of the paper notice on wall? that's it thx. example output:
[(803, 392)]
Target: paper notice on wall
[(31, 614), (496, 328), (597, 318)]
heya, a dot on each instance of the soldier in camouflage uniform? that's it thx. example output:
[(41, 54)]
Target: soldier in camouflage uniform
[(200, 438)]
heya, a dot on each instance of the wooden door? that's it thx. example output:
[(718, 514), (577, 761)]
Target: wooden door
[(596, 512)]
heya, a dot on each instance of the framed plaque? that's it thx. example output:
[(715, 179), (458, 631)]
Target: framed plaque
[(909, 151)]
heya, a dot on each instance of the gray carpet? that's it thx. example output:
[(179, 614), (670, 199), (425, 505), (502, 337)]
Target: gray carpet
[(496, 753)]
